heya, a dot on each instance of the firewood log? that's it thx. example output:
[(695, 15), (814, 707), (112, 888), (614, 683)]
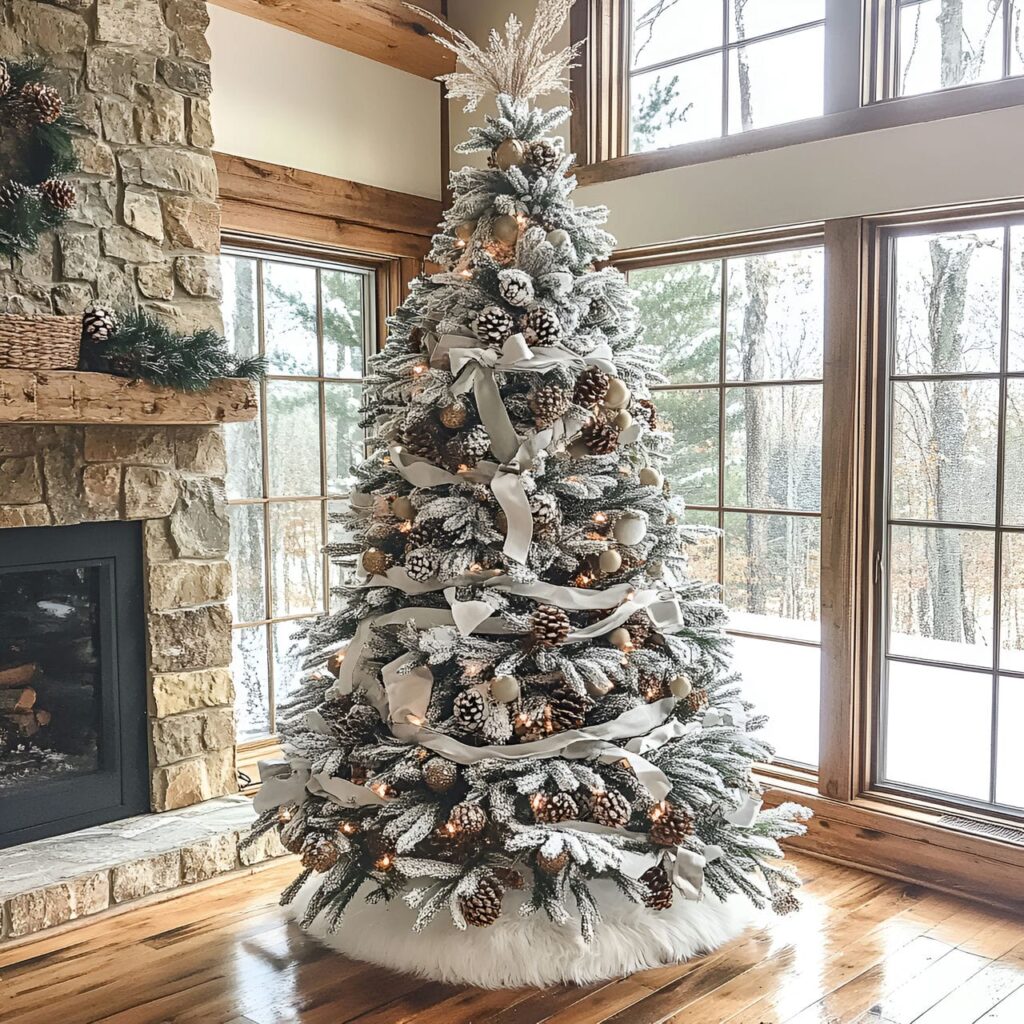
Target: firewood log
[(19, 675), (17, 700)]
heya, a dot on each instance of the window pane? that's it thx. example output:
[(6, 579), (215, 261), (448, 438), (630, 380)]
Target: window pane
[(782, 681), (1012, 596), (245, 460), (248, 601), (938, 729), (773, 446), (293, 437), (941, 595), (290, 318), (342, 297), (681, 103), (703, 553), (939, 52), (772, 572), (1010, 753), (948, 302), (944, 450), (748, 18), (664, 30), (692, 468), (776, 316), (777, 80), (343, 433), (680, 308), (1016, 324), (252, 682), (1017, 39), (241, 319), (288, 658), (295, 545), (1013, 462)]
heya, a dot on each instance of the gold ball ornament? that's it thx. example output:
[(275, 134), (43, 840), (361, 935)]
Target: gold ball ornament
[(609, 561), (509, 153), (620, 638), (505, 228), (651, 477), (552, 865), (376, 562), (403, 508), (618, 395), (453, 416), (629, 530), (505, 689), (680, 686), (622, 420), (465, 231)]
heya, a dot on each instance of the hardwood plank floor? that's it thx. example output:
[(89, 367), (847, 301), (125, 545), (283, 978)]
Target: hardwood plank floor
[(863, 950)]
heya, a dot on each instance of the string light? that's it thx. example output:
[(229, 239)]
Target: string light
[(419, 368), (383, 863), (600, 517), (284, 815), (537, 802), (463, 468), (659, 810), (466, 273), (348, 828), (405, 526), (414, 720)]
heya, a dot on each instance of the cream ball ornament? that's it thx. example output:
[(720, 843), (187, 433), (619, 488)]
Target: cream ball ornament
[(651, 477), (618, 395), (620, 638), (609, 561), (622, 420), (599, 687), (509, 153), (630, 529), (403, 508), (680, 686), (505, 228), (505, 689), (558, 237)]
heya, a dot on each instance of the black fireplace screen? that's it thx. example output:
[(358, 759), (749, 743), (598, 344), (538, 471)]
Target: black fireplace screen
[(72, 679)]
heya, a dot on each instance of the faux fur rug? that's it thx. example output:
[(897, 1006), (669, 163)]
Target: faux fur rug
[(517, 952)]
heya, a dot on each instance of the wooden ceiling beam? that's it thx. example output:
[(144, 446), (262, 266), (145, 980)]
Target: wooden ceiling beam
[(383, 30)]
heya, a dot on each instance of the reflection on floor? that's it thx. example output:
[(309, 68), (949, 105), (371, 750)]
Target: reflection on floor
[(863, 949)]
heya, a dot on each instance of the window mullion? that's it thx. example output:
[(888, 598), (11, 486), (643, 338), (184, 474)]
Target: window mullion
[(844, 32)]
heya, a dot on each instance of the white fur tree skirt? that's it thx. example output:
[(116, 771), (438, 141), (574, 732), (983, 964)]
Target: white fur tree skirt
[(516, 952)]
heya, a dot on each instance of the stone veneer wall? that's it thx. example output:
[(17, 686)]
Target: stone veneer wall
[(146, 226), (172, 478)]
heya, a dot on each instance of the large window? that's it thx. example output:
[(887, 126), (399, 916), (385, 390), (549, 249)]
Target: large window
[(950, 628), (313, 319), (705, 68), (740, 342)]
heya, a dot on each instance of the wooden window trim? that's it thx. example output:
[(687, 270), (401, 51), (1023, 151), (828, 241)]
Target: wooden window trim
[(600, 102)]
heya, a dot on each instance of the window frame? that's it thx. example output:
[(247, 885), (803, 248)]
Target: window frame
[(855, 101)]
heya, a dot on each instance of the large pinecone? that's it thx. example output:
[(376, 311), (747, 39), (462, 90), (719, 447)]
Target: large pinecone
[(541, 326), (98, 323), (12, 192), (671, 827), (475, 443), (423, 533), (696, 701), (591, 386), (639, 627), (610, 807), (549, 626), (546, 515), (319, 852), (5, 78), (493, 323), (548, 403), (544, 154), (468, 817), (60, 194), (483, 907), (358, 725), (565, 710), (555, 807), (785, 902), (600, 438), (469, 709), (422, 564), (420, 439), (644, 409), (43, 101), (659, 888)]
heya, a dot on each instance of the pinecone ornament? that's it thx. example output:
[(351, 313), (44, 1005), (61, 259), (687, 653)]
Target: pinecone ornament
[(419, 439), (549, 626), (483, 907), (600, 438), (515, 287), (609, 807), (358, 725), (440, 774), (548, 403), (544, 154), (551, 865), (11, 193), (43, 101), (423, 533), (696, 701), (528, 730), (469, 709), (493, 324), (475, 444), (541, 326), (98, 323), (319, 852), (5, 78), (468, 817), (639, 627), (671, 826), (785, 902), (555, 807), (591, 386), (547, 517), (422, 565), (659, 888), (565, 710), (643, 409), (60, 194)]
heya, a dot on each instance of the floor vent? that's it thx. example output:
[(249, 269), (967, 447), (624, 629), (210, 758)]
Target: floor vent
[(990, 829)]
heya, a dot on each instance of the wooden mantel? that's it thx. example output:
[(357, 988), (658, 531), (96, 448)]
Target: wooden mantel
[(78, 397)]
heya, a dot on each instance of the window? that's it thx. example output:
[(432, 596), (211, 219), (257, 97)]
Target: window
[(740, 341), (700, 69), (314, 321), (942, 44), (950, 629)]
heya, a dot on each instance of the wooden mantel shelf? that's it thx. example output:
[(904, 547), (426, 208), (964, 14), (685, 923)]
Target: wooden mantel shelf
[(74, 396)]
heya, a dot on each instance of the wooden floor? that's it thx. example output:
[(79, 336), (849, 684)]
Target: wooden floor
[(863, 949)]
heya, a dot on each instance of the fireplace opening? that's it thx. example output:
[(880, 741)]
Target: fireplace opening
[(72, 679)]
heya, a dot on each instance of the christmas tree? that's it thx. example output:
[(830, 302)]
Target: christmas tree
[(522, 688)]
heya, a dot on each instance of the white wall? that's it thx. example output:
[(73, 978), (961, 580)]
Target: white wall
[(281, 97)]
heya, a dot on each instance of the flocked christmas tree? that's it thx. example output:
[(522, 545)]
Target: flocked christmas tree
[(521, 686)]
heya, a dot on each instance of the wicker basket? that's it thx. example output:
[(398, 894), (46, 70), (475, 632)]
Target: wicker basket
[(39, 341)]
